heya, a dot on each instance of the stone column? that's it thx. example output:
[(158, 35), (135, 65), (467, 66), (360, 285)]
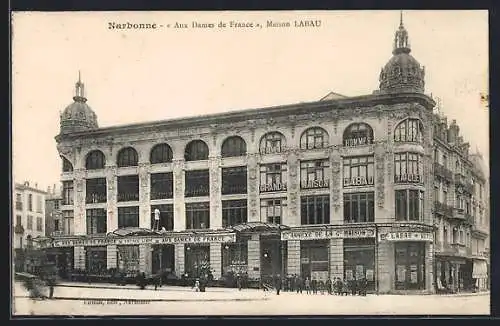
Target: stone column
[(112, 190), (336, 258), (293, 190), (215, 192), (145, 258), (179, 206), (144, 190), (253, 189), (179, 259), (336, 213), (80, 220), (386, 267), (383, 213), (293, 257), (429, 267), (79, 257), (111, 255), (254, 257), (216, 260)]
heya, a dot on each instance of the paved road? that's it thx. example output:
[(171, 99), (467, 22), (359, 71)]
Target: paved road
[(181, 301)]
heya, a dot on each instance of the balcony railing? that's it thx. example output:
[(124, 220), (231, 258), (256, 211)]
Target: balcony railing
[(456, 249), (93, 198), (464, 182), (161, 195), (199, 191), (234, 189), (443, 172), (443, 209), (128, 197)]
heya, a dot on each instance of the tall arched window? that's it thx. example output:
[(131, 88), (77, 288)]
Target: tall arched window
[(161, 153), (95, 160), (66, 165), (272, 142), (234, 146), (127, 157), (358, 134), (314, 137), (409, 130), (196, 150)]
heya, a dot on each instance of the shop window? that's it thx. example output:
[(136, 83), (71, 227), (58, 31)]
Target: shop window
[(359, 261), (314, 174), (96, 221), (408, 168), (162, 185), (166, 217), (315, 209), (128, 188), (161, 153), (95, 160), (314, 262), (95, 190), (68, 193), (234, 146), (163, 258), (128, 217), (234, 212), (273, 210), (409, 205), (127, 157), (128, 259), (358, 134), (410, 265), (234, 257), (234, 180), (314, 138), (196, 259), (197, 183), (358, 171), (95, 260), (359, 207), (409, 130), (197, 216), (273, 177), (272, 142), (196, 150), (66, 165)]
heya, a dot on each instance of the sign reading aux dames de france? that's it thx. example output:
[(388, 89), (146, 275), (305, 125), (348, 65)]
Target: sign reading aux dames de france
[(347, 233), (406, 236), (169, 239)]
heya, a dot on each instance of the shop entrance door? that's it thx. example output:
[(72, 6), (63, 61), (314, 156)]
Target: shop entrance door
[(271, 263), (410, 265), (163, 259)]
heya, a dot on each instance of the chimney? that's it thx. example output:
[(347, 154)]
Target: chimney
[(48, 190), (453, 132)]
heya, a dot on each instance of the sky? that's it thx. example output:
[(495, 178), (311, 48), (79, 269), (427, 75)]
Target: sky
[(146, 75)]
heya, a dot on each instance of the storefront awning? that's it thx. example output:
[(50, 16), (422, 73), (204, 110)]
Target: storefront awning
[(258, 227), (479, 269), (132, 231)]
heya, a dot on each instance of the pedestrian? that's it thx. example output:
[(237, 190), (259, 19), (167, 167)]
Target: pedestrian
[(278, 284), (238, 282), (329, 285), (157, 281), (308, 285), (353, 286), (197, 285), (51, 282), (314, 285)]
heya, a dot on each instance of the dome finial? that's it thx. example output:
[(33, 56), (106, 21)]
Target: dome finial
[(401, 44), (79, 90)]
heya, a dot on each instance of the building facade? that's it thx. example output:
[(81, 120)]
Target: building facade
[(340, 187), (28, 211), (53, 217)]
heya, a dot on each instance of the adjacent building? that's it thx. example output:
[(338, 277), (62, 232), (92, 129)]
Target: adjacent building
[(340, 187)]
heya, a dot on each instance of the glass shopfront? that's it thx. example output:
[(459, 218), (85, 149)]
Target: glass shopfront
[(95, 260), (163, 258), (128, 259), (235, 257), (359, 261), (410, 265), (196, 259), (314, 259)]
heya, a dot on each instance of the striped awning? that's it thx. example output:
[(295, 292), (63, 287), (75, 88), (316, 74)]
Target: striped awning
[(479, 269)]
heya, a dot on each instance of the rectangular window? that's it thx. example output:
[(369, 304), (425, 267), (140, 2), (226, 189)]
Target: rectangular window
[(315, 209), (19, 202), (39, 223), (409, 205), (197, 183), (68, 222), (197, 216), (162, 185), (68, 193), (166, 217), (408, 168), (128, 188), (234, 180), (30, 222), (359, 207), (358, 171), (30, 202), (57, 204), (234, 212), (39, 204), (273, 177), (95, 190), (57, 225), (128, 217), (96, 221), (273, 210), (314, 174), (18, 220)]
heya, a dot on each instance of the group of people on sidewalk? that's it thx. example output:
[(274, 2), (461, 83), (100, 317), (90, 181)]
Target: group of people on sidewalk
[(338, 286)]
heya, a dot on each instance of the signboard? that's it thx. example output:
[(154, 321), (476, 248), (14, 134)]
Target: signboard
[(358, 181), (357, 141), (406, 236), (136, 240), (312, 184), (345, 233), (273, 187), (408, 178)]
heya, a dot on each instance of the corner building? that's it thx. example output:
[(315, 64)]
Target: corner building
[(340, 187)]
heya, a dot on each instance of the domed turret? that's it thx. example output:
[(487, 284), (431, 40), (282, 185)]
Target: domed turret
[(78, 116), (402, 73)]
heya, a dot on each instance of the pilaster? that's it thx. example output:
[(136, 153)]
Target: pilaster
[(144, 194), (293, 186), (336, 200), (79, 202), (429, 267), (79, 258), (215, 193), (216, 260), (254, 257), (179, 259), (253, 189), (336, 251), (112, 186), (111, 255), (179, 206), (145, 258), (293, 257), (386, 267)]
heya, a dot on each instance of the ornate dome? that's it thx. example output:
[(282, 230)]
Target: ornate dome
[(78, 116), (402, 73)]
